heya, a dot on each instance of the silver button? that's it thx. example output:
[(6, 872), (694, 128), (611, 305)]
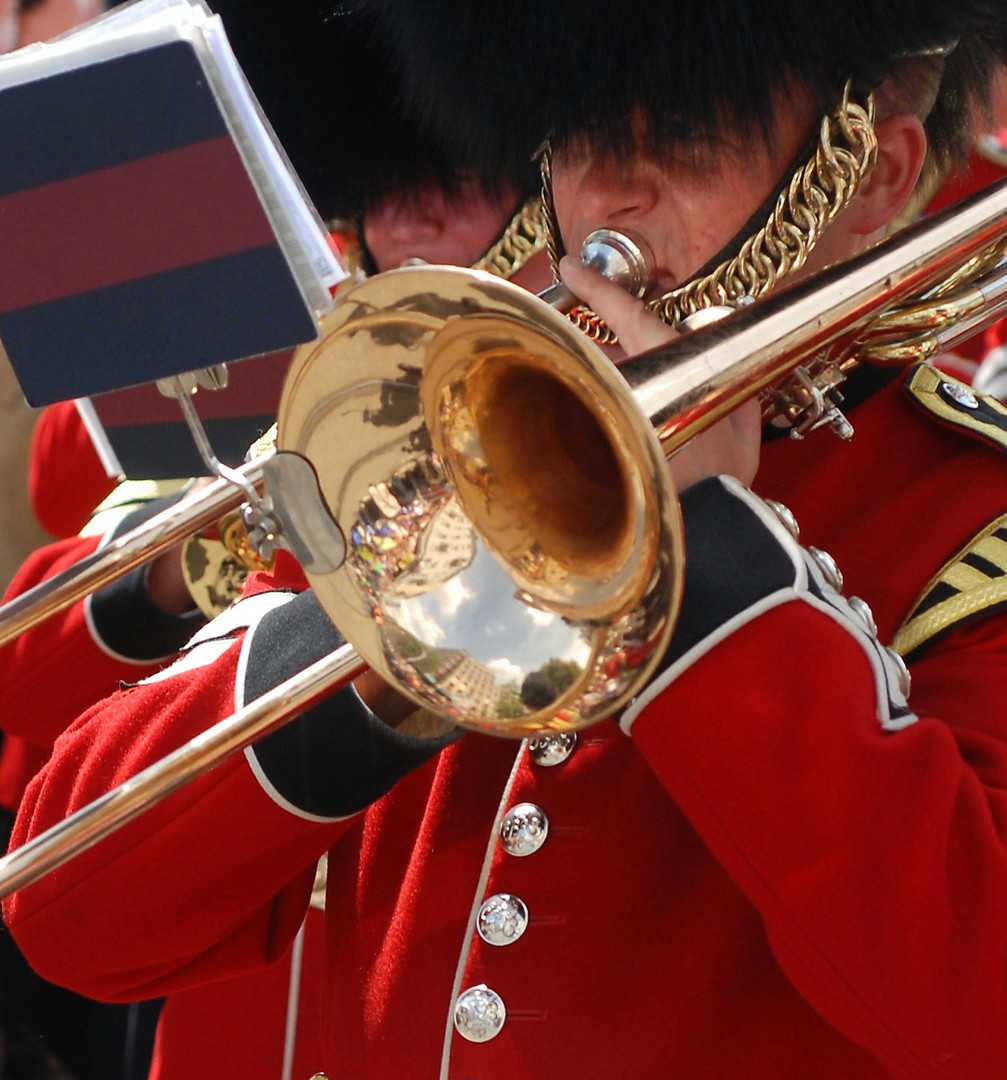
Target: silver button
[(962, 394), (863, 612), (785, 517), (502, 919), (524, 829), (828, 566), (479, 1014), (902, 672), (549, 750)]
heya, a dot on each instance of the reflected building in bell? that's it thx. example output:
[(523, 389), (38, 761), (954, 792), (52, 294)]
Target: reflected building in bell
[(447, 545), (470, 682)]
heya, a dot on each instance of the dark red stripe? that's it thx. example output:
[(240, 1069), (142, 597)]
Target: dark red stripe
[(253, 388), (116, 225)]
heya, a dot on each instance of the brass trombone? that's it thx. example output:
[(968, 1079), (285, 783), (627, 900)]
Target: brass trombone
[(417, 409)]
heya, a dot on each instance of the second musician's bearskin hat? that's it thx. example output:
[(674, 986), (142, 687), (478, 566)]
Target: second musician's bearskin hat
[(330, 88), (499, 75)]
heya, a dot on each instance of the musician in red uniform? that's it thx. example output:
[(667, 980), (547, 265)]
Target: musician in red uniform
[(396, 197), (782, 861)]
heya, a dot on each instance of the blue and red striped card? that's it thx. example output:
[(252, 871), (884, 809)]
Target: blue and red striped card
[(142, 434), (134, 242)]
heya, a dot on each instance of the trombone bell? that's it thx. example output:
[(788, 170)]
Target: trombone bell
[(546, 604)]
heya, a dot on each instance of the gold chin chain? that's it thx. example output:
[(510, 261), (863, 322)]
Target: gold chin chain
[(523, 238), (817, 192)]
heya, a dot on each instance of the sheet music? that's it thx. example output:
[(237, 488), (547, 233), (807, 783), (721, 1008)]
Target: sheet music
[(142, 24)]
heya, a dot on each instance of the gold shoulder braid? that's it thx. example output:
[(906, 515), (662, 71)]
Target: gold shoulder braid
[(817, 192), (972, 583), (524, 237)]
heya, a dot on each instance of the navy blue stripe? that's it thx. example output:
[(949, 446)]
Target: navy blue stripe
[(224, 309), (104, 114), (983, 565), (733, 562), (938, 594), (167, 451), (126, 619)]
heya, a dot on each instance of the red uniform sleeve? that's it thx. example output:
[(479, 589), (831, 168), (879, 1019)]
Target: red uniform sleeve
[(66, 479), (870, 839), (78, 656), (58, 662), (204, 850), (236, 850)]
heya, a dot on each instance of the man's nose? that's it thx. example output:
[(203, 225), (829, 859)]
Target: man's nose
[(610, 194), (414, 225)]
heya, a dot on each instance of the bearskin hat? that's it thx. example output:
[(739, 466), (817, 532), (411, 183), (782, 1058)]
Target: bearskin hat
[(330, 88), (498, 76)]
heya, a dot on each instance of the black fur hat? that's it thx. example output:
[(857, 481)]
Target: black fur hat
[(329, 87), (498, 76)]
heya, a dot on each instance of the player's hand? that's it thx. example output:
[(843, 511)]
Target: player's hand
[(731, 446)]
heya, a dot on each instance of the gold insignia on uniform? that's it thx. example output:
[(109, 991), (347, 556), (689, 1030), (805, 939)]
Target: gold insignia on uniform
[(972, 583), (957, 405)]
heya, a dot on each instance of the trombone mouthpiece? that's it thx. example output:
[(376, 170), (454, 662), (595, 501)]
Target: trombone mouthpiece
[(624, 258)]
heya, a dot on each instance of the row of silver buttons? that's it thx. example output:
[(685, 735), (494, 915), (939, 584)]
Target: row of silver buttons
[(480, 1011)]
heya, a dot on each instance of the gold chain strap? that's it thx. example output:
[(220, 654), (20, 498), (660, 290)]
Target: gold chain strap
[(825, 185), (525, 236)]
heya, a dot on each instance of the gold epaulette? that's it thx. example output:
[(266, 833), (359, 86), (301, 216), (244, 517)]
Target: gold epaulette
[(957, 405), (972, 583), (127, 496)]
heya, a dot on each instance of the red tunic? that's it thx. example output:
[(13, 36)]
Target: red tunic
[(66, 479), (61, 652), (768, 878), (66, 662)]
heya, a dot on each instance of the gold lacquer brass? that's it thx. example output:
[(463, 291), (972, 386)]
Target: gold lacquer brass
[(215, 567), (436, 389)]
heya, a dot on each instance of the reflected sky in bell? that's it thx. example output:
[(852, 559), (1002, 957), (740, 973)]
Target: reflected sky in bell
[(477, 610)]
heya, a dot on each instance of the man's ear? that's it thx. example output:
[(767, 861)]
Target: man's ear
[(902, 148)]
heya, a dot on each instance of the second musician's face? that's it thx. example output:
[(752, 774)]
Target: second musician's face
[(687, 207), (43, 21), (436, 227)]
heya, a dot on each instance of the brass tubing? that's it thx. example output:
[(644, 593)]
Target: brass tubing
[(685, 387), (155, 536), (92, 823)]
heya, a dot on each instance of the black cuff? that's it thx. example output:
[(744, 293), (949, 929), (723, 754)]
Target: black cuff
[(338, 757), (130, 624), (125, 618), (735, 556), (741, 557)]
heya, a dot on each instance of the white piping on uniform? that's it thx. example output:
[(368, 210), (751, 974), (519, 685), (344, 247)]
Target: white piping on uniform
[(293, 1002), (476, 904)]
